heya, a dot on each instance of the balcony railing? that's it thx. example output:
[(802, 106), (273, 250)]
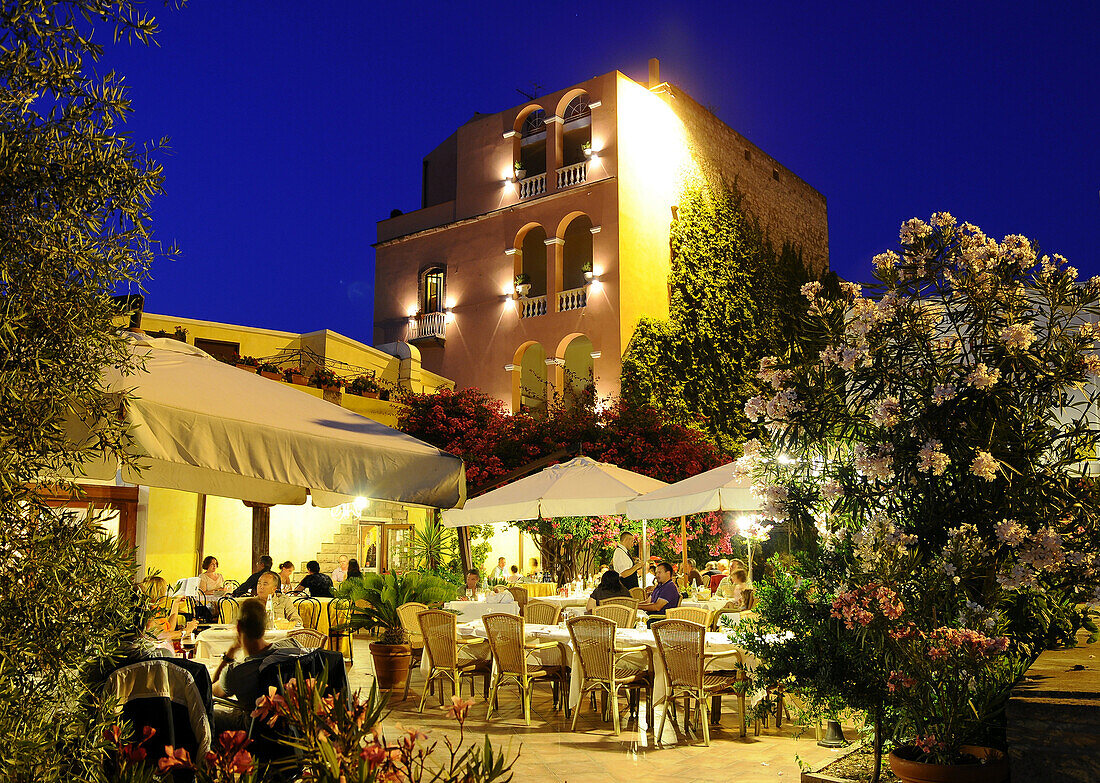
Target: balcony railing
[(532, 186), (532, 306), (426, 325), (573, 175), (573, 299)]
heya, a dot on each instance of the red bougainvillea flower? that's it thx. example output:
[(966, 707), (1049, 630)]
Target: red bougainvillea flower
[(177, 758)]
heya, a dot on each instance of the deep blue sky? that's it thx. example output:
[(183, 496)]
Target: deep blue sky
[(296, 125)]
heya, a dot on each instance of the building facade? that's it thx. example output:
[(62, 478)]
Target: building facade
[(543, 234)]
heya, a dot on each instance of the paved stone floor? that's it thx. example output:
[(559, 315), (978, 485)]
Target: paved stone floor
[(549, 751)]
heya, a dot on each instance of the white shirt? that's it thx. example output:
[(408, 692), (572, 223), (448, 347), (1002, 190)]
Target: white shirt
[(339, 575), (621, 561), (499, 572), (650, 580)]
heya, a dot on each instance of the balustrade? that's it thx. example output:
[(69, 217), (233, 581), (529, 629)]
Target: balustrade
[(428, 325), (573, 175), (573, 299), (532, 306), (532, 186)]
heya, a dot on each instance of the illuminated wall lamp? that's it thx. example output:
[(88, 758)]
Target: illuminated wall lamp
[(595, 354), (511, 367), (449, 316)]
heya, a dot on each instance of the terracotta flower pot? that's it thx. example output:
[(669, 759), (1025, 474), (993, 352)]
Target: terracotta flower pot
[(299, 380), (994, 770), (371, 395), (391, 664), (246, 368), (275, 376)]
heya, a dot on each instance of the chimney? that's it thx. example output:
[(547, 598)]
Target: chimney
[(654, 72)]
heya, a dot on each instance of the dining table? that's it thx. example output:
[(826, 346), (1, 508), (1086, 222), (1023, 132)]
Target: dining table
[(468, 611), (216, 640)]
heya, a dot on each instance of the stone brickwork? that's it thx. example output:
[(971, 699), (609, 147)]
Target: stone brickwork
[(788, 207), (1054, 718), (346, 540)]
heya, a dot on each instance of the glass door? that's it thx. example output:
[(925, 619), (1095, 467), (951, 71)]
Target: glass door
[(398, 550), (370, 547)]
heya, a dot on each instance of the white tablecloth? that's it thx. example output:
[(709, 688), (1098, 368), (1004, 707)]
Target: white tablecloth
[(216, 640), (624, 637), (578, 599), (468, 611)]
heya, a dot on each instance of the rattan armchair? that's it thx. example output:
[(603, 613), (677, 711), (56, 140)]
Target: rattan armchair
[(716, 623), (603, 666), (542, 613), (693, 614), (339, 616), (510, 650), (637, 593), (441, 644), (407, 614), (682, 646), (622, 616), (520, 594), (307, 638), (631, 602)]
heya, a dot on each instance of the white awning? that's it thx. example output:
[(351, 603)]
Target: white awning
[(719, 489)]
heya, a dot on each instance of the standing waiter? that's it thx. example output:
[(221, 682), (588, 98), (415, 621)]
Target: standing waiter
[(623, 562)]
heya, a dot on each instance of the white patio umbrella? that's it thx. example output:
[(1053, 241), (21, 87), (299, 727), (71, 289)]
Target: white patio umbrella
[(719, 489), (579, 487), (203, 426)]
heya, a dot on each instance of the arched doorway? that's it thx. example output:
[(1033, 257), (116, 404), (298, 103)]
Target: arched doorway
[(533, 259), (577, 253), (531, 389), (578, 383)]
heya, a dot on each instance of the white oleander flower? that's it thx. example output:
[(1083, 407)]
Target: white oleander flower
[(984, 466)]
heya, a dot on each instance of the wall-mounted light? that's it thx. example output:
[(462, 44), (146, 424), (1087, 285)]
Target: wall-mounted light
[(412, 310), (595, 354), (448, 316), (511, 367), (595, 284)]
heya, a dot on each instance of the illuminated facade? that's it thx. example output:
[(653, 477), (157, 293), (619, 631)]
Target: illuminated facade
[(543, 234)]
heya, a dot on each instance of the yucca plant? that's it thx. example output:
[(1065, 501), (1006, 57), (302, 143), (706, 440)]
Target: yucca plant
[(374, 605)]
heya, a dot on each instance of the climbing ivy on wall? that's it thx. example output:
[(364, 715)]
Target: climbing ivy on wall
[(733, 299)]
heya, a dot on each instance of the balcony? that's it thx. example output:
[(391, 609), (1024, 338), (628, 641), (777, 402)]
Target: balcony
[(529, 307), (577, 174), (428, 326), (573, 299), (532, 186)]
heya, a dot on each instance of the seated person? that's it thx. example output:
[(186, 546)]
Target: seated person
[(651, 577), (473, 582), (610, 586), (513, 577), (286, 569), (732, 587), (665, 595), (163, 615), (319, 585), (281, 605), (210, 581), (693, 578), (241, 681), (248, 586), (533, 568), (500, 571)]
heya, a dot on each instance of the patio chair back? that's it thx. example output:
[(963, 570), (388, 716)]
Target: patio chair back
[(717, 624), (440, 632), (594, 642), (231, 585), (715, 580), (229, 609), (637, 593), (339, 614), (506, 637), (520, 594), (307, 638), (407, 614), (693, 614), (622, 616), (632, 603), (542, 613), (309, 609), (681, 644), (748, 599)]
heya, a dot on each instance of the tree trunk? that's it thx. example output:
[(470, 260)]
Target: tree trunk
[(878, 747)]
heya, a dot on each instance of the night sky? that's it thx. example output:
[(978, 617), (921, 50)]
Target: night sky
[(296, 126)]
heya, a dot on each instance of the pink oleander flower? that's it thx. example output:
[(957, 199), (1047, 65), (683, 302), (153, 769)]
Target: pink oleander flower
[(897, 681), (931, 459), (755, 407), (176, 758), (886, 412), (984, 466), (982, 377), (887, 260), (912, 230), (1010, 532), (459, 708), (811, 290), (942, 393), (1018, 336)]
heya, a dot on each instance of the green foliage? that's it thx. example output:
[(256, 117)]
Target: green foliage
[(434, 546), (376, 597), (733, 300), (74, 228)]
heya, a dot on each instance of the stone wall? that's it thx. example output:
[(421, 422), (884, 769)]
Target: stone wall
[(788, 207), (1054, 718)]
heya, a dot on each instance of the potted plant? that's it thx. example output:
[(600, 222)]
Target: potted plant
[(272, 371), (523, 283), (374, 609), (295, 375), (586, 148), (365, 386), (246, 363), (586, 267), (326, 379), (521, 170)]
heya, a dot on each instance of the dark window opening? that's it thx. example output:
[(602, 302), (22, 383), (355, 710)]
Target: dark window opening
[(221, 350), (748, 155), (775, 174)]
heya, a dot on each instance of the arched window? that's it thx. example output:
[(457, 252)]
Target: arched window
[(532, 144), (577, 253), (532, 380), (533, 123), (432, 284), (576, 131), (578, 378), (534, 259)]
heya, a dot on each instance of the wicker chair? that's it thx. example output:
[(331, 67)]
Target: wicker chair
[(507, 641), (339, 614), (542, 613), (716, 623), (748, 599), (632, 603), (407, 614), (520, 594), (229, 609), (307, 638), (441, 642), (637, 594), (693, 614), (682, 646), (622, 616), (309, 609), (602, 665)]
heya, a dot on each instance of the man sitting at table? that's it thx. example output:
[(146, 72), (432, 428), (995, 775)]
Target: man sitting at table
[(665, 595), (318, 584), (501, 571), (248, 586), (281, 605), (473, 582)]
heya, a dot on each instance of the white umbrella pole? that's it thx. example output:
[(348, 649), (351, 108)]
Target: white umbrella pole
[(684, 548)]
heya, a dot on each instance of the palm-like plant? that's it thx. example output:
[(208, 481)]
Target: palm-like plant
[(434, 545), (374, 604)]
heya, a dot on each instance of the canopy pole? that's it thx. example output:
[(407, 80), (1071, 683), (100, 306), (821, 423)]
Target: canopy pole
[(684, 547), (643, 552), (261, 529)]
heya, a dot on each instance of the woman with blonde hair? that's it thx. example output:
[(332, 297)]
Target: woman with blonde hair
[(163, 614)]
